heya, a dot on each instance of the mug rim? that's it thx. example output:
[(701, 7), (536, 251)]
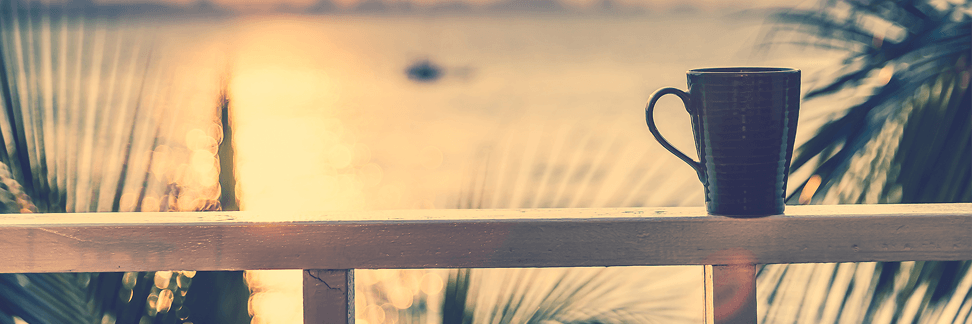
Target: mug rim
[(743, 70)]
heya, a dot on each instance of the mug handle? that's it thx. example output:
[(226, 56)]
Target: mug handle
[(649, 117)]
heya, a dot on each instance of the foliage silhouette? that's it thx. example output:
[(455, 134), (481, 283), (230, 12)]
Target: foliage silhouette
[(905, 138), (83, 130)]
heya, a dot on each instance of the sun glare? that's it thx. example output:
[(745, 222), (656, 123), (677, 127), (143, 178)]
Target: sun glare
[(293, 152)]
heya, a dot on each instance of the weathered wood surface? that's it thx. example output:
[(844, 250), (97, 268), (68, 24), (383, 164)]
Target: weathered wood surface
[(478, 238), (730, 294), (329, 296)]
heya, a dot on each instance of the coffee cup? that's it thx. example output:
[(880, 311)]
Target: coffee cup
[(744, 121)]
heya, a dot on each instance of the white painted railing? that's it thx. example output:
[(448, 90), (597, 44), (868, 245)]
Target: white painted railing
[(730, 248)]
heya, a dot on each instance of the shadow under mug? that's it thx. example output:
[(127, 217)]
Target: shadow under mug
[(744, 120)]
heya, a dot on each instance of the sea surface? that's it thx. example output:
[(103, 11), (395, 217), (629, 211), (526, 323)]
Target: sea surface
[(559, 81), (529, 111)]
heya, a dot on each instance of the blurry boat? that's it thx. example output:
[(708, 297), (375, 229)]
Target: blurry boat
[(424, 71)]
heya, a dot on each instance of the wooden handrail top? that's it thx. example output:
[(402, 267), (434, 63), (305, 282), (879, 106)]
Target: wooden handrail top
[(104, 242)]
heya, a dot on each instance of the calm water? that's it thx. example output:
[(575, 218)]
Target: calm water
[(510, 85), (536, 111), (531, 111)]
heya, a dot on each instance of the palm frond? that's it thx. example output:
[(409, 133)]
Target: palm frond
[(906, 139), (99, 114)]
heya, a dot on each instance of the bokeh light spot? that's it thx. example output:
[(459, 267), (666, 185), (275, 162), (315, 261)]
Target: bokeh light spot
[(183, 281), (150, 204), (400, 297), (202, 161), (391, 313), (129, 279), (197, 139), (339, 156), (809, 189), (162, 279), (22, 280), (374, 313), (125, 295), (108, 319), (884, 76), (165, 301), (151, 302), (127, 201), (431, 283), (276, 305)]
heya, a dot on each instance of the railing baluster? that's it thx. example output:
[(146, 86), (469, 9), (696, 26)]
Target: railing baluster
[(329, 296), (730, 294)]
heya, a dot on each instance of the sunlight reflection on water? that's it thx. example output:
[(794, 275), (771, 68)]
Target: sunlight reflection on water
[(326, 120)]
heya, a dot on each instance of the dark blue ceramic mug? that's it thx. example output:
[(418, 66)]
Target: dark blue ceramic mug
[(744, 120)]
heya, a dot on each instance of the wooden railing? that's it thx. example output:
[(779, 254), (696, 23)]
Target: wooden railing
[(340, 241)]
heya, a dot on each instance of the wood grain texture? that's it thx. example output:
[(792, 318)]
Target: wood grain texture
[(478, 238)]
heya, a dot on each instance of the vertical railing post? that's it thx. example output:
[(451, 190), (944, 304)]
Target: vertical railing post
[(730, 294), (329, 296)]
